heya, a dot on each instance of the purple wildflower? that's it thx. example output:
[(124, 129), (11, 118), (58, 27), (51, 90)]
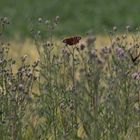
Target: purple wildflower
[(120, 52), (135, 75), (94, 53)]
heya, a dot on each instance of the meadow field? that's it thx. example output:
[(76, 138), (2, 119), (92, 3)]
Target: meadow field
[(69, 70), (76, 88)]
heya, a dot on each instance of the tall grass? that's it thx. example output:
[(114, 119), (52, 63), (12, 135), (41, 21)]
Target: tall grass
[(84, 92)]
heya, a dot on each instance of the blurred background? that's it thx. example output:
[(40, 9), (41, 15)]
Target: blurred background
[(77, 16)]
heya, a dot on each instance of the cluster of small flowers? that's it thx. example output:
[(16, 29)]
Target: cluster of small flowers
[(120, 52), (135, 75)]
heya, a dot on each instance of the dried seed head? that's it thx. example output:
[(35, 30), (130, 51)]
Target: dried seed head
[(21, 87), (105, 50), (82, 46), (5, 19), (124, 36), (62, 106), (118, 38), (94, 53), (57, 18), (128, 28), (36, 63), (47, 22), (114, 28), (24, 58), (30, 74), (14, 89), (135, 75), (40, 20), (64, 51), (35, 78)]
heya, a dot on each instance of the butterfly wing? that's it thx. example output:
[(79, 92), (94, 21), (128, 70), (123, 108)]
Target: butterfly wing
[(67, 41), (71, 41), (76, 40)]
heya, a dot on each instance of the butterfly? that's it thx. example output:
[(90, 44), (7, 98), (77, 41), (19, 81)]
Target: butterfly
[(134, 59), (72, 40)]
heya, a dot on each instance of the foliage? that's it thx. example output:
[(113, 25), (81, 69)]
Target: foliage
[(78, 16), (15, 92), (84, 92)]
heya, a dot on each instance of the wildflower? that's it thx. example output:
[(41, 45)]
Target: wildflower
[(36, 63), (5, 21), (65, 51), (118, 38), (47, 22), (120, 52), (57, 18), (40, 19), (94, 53), (128, 28), (105, 50), (114, 28), (29, 74), (124, 36), (135, 75), (24, 58), (62, 106), (21, 87), (82, 46)]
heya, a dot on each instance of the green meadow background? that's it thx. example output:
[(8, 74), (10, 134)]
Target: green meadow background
[(77, 16), (80, 94)]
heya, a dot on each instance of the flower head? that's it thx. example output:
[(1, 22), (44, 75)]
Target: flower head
[(120, 52)]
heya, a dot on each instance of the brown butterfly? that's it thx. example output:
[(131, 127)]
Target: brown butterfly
[(72, 40), (134, 59)]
